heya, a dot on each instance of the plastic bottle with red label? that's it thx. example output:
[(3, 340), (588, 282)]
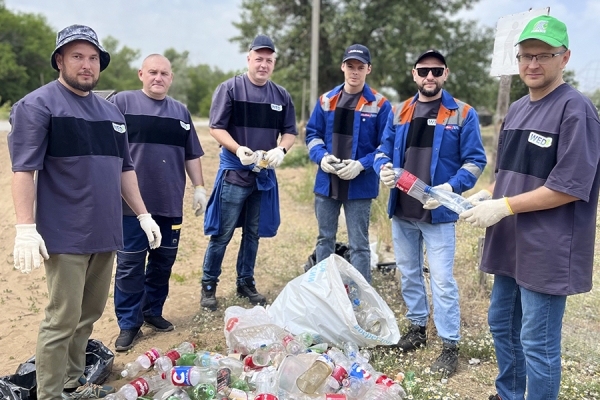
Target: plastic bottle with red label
[(169, 359), (266, 384), (184, 376), (143, 362), (138, 387)]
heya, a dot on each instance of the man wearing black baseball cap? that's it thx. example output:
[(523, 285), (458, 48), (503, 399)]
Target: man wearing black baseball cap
[(249, 112), (77, 143), (440, 143), (342, 135)]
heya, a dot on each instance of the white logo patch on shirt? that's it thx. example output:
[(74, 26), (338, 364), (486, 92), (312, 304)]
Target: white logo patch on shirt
[(184, 125), (431, 122), (276, 107), (119, 128), (539, 140)]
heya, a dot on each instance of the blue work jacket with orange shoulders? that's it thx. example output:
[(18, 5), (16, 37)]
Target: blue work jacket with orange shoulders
[(457, 157), (369, 122)]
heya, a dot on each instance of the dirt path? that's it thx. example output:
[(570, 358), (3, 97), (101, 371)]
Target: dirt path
[(23, 297)]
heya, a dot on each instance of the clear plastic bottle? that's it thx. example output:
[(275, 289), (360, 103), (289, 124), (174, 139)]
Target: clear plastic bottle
[(291, 345), (354, 295), (452, 201), (266, 384), (184, 376), (138, 387), (371, 319), (169, 359), (235, 366), (314, 377), (144, 361)]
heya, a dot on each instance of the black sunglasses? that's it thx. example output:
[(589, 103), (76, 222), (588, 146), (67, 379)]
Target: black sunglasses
[(436, 71)]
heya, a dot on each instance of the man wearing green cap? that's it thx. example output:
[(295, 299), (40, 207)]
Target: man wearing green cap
[(540, 215)]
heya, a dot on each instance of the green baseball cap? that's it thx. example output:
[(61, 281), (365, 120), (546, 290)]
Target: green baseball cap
[(547, 29)]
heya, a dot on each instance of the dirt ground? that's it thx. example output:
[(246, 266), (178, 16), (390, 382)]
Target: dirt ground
[(23, 297)]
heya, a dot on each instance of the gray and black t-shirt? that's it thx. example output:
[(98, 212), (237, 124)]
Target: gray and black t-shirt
[(342, 139), (417, 158)]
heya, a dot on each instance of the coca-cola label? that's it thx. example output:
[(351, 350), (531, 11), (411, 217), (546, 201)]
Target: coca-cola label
[(152, 355), (359, 372), (141, 386), (339, 373), (265, 396), (384, 380), (231, 323), (173, 355), (406, 181), (180, 376)]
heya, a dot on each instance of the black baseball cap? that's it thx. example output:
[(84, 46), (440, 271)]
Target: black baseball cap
[(431, 53), (262, 42), (357, 52), (79, 32)]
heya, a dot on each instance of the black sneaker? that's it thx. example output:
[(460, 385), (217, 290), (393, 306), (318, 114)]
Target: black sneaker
[(127, 338), (87, 390), (158, 323), (209, 298), (249, 291), (495, 397), (413, 339), (447, 362)]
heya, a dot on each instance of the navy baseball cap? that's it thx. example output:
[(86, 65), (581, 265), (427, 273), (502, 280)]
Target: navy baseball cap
[(80, 32), (357, 52), (262, 42), (431, 53)]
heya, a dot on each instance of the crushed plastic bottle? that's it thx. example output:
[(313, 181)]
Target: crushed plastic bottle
[(143, 362), (266, 384)]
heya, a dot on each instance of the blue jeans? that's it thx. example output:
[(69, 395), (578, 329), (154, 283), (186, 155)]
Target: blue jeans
[(141, 288), (440, 241), (526, 327), (357, 214), (236, 202)]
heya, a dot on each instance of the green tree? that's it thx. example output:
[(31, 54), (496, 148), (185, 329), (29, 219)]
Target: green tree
[(26, 43), (203, 81), (395, 33), (120, 74), (181, 79)]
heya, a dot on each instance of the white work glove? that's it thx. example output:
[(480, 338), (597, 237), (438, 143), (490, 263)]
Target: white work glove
[(199, 203), (275, 157), (151, 229), (480, 196), (431, 203), (326, 163), (28, 247), (246, 156), (388, 176), (351, 170), (487, 213)]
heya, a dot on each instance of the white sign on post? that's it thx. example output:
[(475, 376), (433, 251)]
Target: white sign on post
[(508, 29)]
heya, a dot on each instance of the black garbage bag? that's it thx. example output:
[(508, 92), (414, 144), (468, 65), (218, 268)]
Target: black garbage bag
[(341, 249), (22, 384)]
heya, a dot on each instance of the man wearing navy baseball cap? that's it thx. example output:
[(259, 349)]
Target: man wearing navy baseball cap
[(70, 214), (342, 135)]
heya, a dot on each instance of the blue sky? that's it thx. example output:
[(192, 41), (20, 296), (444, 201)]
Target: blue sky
[(203, 27)]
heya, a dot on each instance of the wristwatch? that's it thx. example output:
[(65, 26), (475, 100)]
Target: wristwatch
[(283, 149)]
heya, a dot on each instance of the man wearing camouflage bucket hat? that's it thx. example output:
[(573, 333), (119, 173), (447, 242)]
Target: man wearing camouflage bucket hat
[(70, 214), (540, 215)]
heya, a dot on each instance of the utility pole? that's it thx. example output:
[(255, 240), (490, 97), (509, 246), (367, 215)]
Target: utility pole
[(314, 53)]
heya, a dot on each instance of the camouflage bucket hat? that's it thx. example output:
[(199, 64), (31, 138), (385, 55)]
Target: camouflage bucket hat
[(80, 32)]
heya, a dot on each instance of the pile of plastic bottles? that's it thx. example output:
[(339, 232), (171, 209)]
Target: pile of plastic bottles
[(286, 367)]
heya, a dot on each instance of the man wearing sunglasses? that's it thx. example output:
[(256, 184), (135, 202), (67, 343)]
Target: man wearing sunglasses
[(435, 137), (342, 135), (540, 215)]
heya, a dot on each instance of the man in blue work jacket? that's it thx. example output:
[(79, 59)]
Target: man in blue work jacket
[(342, 136)]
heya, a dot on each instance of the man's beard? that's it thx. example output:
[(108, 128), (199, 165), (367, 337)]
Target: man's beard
[(84, 87), (430, 93)]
